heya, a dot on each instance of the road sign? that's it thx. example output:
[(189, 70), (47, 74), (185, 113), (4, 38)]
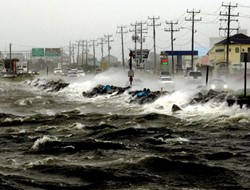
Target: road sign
[(53, 52), (37, 52), (131, 73), (245, 57), (164, 61)]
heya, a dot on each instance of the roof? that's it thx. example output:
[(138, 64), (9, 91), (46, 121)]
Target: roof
[(180, 52), (236, 39)]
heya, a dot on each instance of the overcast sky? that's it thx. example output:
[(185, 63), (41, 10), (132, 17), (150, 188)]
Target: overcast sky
[(54, 23)]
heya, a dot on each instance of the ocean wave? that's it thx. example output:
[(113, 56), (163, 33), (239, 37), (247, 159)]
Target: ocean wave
[(52, 145), (41, 143), (239, 118), (196, 174), (24, 102), (51, 160), (148, 171), (77, 126)]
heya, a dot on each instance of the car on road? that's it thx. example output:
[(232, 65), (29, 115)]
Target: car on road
[(217, 84), (34, 72), (194, 78), (166, 83), (165, 73), (20, 71), (72, 73), (80, 72), (57, 71), (187, 70)]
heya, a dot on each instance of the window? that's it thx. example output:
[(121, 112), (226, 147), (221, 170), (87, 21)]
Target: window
[(237, 50), (219, 50)]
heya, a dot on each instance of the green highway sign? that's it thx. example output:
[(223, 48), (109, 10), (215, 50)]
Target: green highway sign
[(37, 52)]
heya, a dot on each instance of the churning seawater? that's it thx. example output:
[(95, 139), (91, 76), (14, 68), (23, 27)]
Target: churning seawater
[(62, 140)]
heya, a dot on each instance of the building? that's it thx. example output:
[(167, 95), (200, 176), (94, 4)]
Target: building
[(238, 43), (109, 61)]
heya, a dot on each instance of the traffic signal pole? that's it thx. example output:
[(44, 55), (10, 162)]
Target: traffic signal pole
[(130, 72)]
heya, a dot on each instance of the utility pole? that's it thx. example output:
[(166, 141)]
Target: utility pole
[(87, 49), (69, 52), (228, 28), (11, 66), (93, 44), (122, 32), (154, 25), (109, 47), (10, 52), (135, 39), (102, 42), (78, 49), (141, 29), (73, 53), (82, 51), (172, 41), (192, 19)]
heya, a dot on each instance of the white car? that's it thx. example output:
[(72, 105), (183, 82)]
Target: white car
[(72, 73), (194, 78), (166, 83), (57, 71), (80, 72)]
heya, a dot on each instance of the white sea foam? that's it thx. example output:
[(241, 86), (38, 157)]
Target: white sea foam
[(7, 120), (209, 110), (41, 141), (22, 131), (46, 161), (177, 139), (24, 102), (114, 104), (77, 126)]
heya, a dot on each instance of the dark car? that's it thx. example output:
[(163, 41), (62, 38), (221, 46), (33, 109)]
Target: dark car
[(35, 72), (194, 78), (98, 70), (165, 73), (188, 69), (65, 72)]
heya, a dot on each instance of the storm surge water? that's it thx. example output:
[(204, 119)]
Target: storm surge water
[(54, 138)]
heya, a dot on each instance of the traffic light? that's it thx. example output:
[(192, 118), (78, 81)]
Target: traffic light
[(131, 53)]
